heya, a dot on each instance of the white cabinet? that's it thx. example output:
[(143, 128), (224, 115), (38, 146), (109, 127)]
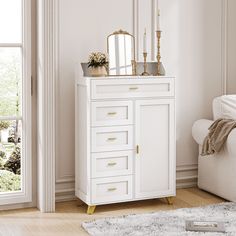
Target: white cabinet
[(125, 139)]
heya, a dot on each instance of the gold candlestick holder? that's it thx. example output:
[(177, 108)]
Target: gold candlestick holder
[(158, 33), (145, 73)]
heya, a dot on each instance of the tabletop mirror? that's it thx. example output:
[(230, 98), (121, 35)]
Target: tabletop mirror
[(121, 52)]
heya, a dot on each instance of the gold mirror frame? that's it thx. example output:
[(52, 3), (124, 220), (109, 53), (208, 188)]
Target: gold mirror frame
[(133, 62)]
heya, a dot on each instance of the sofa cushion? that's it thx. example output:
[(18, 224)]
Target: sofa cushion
[(224, 107), (217, 108)]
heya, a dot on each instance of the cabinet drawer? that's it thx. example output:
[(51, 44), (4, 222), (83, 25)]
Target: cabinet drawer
[(112, 113), (111, 164), (111, 189), (112, 138), (129, 88)]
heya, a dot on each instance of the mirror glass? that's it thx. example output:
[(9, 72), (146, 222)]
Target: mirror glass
[(121, 51)]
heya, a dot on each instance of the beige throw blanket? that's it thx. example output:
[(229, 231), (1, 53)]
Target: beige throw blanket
[(217, 136)]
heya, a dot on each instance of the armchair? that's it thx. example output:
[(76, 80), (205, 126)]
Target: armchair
[(217, 173)]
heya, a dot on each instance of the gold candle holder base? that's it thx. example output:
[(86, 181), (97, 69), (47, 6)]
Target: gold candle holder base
[(145, 73)]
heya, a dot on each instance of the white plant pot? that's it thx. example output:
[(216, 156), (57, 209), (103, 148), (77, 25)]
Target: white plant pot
[(98, 71)]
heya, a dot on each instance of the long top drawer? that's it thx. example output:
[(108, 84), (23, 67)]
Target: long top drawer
[(131, 88)]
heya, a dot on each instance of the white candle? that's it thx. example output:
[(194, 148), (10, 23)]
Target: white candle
[(145, 41), (158, 20)]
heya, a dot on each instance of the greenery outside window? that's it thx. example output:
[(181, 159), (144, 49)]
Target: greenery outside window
[(15, 101)]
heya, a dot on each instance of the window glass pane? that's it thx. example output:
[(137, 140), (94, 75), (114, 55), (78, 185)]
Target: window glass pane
[(10, 81), (11, 21), (10, 155)]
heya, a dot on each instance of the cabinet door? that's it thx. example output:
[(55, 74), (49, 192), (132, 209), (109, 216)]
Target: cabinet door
[(155, 140)]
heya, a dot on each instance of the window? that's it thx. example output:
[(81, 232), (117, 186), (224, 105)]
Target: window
[(15, 101)]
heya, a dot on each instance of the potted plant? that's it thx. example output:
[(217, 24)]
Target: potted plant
[(98, 63)]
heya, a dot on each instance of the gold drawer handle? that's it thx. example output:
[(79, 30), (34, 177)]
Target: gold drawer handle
[(133, 88), (112, 189), (111, 139), (111, 113), (112, 164)]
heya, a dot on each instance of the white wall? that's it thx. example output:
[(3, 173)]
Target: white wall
[(191, 50), (231, 86)]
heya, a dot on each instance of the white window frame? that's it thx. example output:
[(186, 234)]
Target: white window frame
[(25, 194)]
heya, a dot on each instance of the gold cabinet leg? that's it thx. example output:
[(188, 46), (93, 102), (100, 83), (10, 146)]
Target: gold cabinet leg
[(170, 200), (90, 210)]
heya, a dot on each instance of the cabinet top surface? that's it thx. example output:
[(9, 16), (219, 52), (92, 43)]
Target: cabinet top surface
[(129, 77), (85, 80)]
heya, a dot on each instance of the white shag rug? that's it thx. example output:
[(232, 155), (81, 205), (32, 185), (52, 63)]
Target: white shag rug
[(165, 223)]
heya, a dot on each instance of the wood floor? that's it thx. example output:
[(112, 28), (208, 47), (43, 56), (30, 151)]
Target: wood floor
[(69, 215)]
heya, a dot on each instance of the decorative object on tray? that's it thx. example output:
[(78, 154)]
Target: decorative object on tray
[(205, 226), (121, 51), (137, 68), (164, 223), (160, 67), (98, 63), (145, 73)]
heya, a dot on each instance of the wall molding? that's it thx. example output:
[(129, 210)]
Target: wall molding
[(186, 176), (65, 190), (65, 180), (153, 30), (47, 75), (224, 46), (60, 178), (64, 195), (184, 168), (64, 184), (136, 26)]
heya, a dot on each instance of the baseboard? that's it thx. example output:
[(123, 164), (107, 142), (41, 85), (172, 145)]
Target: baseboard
[(65, 190), (186, 184), (65, 195), (17, 206), (186, 177)]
